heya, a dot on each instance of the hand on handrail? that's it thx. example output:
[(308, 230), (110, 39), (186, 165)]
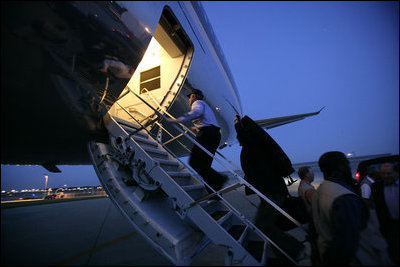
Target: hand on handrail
[(194, 129), (173, 120)]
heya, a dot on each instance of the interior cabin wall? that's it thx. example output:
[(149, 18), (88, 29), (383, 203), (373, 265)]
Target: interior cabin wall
[(170, 55), (155, 56)]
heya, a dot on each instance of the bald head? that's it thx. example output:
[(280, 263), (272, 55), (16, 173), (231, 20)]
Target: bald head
[(307, 173), (387, 173)]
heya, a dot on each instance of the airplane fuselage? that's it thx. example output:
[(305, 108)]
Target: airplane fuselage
[(55, 90)]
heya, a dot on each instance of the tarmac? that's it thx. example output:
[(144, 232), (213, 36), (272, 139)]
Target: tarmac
[(90, 232), (93, 232)]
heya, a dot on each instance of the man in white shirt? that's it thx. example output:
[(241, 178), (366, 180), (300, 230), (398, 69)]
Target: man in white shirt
[(208, 135), (306, 189), (365, 186)]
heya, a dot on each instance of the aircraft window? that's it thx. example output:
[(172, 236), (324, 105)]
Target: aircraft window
[(150, 79)]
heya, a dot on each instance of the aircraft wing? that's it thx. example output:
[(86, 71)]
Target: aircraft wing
[(279, 121)]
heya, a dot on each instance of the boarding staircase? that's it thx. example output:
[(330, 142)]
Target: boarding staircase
[(168, 203)]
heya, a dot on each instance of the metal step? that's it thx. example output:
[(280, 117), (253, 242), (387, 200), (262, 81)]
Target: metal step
[(237, 231), (210, 225), (244, 233), (217, 215), (211, 206), (130, 130), (168, 165), (126, 123), (155, 153), (145, 141), (196, 191), (256, 249), (253, 243), (215, 208), (222, 221), (181, 178)]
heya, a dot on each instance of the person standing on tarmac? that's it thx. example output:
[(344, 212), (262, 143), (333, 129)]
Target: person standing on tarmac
[(366, 184), (385, 194), (345, 233), (208, 135), (306, 189)]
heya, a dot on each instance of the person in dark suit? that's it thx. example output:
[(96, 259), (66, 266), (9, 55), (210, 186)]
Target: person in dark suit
[(264, 165), (385, 193)]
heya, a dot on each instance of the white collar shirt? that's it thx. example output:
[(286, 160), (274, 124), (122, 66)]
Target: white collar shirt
[(366, 189), (200, 114)]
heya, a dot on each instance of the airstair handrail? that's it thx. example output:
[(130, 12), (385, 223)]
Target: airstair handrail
[(242, 180)]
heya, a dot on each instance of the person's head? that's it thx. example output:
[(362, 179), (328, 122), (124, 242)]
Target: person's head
[(194, 95), (373, 173), (335, 166), (246, 131), (237, 118), (131, 70), (307, 173), (388, 173), (239, 130)]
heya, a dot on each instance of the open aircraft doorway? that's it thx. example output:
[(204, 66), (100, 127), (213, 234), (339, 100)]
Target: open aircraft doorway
[(161, 73)]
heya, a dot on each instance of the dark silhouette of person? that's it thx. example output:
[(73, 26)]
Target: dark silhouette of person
[(264, 165), (385, 194), (346, 233)]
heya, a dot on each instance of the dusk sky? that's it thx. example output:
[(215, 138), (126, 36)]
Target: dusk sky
[(290, 58)]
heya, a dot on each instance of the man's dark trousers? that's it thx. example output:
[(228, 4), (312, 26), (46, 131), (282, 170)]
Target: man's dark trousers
[(209, 137)]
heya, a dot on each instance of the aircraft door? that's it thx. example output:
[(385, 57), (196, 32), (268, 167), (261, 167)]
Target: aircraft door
[(161, 73)]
